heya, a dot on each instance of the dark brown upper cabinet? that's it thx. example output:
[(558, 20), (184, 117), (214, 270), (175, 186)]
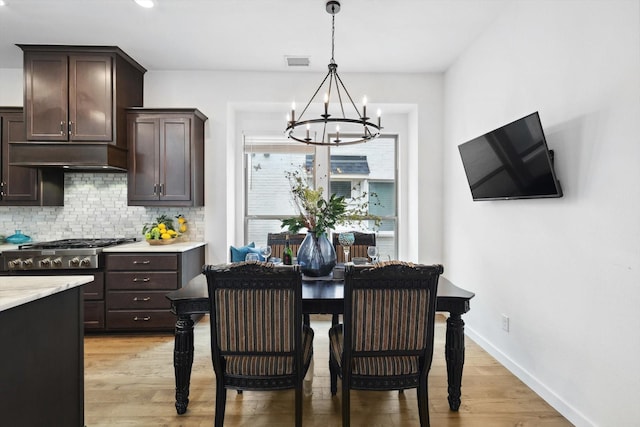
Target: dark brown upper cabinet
[(166, 157), (23, 186), (77, 93)]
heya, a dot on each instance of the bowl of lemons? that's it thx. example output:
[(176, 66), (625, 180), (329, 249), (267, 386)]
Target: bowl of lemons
[(163, 231)]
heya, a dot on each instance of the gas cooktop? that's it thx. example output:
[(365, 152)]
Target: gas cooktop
[(77, 243), (65, 254)]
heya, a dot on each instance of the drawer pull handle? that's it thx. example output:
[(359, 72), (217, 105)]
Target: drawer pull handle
[(144, 319), (144, 279), (142, 299), (142, 262)]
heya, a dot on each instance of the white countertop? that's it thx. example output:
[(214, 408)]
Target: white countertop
[(19, 290), (143, 246), (7, 247)]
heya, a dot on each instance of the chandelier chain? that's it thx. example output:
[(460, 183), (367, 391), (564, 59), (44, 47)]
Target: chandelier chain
[(333, 37)]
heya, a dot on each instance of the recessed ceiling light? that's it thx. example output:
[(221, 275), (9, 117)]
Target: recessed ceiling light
[(144, 3), (2, 3)]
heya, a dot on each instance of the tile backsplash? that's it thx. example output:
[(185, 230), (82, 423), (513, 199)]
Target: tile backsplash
[(95, 206)]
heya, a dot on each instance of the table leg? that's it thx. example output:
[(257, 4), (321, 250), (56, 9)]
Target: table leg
[(454, 355), (333, 364), (183, 360)]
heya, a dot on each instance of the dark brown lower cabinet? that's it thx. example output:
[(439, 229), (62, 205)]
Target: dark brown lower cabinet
[(136, 285)]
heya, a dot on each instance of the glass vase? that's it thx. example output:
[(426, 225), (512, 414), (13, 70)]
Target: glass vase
[(316, 255)]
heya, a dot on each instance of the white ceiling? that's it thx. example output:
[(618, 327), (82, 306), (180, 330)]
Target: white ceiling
[(371, 35)]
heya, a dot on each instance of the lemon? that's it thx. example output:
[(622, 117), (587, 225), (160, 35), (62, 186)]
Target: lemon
[(161, 226), (165, 236), (182, 220), (183, 228)]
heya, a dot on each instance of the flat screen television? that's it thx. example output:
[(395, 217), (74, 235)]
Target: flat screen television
[(511, 162)]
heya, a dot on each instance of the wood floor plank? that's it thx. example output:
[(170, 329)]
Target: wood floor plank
[(129, 381)]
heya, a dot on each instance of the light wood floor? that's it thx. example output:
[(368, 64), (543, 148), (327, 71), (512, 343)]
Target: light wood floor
[(129, 381)]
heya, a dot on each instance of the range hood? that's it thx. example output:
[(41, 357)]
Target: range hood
[(73, 156)]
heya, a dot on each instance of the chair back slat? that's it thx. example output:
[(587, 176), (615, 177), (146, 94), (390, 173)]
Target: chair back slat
[(256, 320), (390, 319), (277, 243)]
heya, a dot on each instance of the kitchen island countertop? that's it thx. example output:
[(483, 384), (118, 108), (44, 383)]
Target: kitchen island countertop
[(19, 290), (143, 246)]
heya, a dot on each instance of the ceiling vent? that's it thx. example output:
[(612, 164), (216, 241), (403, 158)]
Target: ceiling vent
[(297, 61)]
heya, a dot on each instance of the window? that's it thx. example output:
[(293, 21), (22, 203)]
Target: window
[(267, 196), (354, 170)]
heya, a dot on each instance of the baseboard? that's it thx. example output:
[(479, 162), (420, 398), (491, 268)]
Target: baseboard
[(548, 395)]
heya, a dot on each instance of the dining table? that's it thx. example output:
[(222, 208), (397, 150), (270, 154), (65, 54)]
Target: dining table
[(319, 296)]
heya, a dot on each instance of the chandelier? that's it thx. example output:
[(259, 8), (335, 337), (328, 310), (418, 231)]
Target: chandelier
[(348, 130)]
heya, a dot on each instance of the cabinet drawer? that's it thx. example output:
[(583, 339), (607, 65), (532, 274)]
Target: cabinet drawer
[(138, 300), (136, 281), (94, 290), (142, 261), (140, 319), (94, 315)]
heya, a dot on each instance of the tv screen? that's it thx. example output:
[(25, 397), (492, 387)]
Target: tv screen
[(510, 162)]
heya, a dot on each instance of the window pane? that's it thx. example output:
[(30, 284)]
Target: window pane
[(268, 191), (370, 168), (383, 196), (341, 188), (257, 230)]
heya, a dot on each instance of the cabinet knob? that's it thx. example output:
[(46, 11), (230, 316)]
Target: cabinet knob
[(61, 128), (70, 128)]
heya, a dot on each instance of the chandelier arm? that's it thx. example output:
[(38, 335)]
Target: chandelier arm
[(331, 72), (314, 95), (349, 96), (344, 116)]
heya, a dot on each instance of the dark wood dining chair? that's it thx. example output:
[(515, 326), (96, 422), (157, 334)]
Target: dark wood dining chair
[(258, 339), (277, 243), (386, 339), (359, 249)]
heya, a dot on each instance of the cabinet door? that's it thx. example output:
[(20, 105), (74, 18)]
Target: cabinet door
[(143, 175), (18, 183), (175, 158), (90, 98), (46, 96)]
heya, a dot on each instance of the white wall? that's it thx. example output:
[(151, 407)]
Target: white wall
[(566, 271)]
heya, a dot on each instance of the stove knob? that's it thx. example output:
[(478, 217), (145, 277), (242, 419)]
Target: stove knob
[(15, 263), (85, 262), (74, 262), (45, 262), (28, 262), (57, 262)]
